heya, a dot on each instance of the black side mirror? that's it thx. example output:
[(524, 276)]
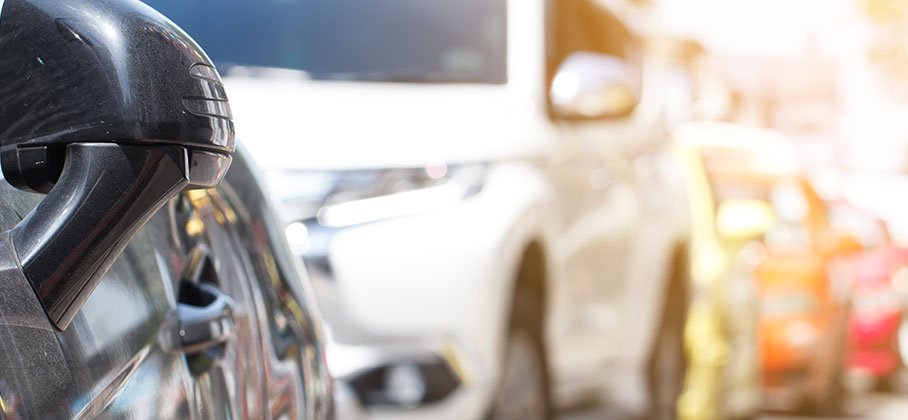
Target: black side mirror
[(111, 110)]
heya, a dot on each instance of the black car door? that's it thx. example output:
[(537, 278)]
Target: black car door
[(121, 358), (298, 384), (118, 358), (228, 379), (110, 361)]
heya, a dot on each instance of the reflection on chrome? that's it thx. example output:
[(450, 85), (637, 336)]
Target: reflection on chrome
[(298, 237)]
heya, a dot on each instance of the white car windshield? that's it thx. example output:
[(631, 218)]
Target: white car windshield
[(440, 41)]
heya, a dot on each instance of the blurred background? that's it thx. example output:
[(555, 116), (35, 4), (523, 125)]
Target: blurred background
[(588, 208)]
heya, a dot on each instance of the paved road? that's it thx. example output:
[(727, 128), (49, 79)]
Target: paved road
[(868, 406)]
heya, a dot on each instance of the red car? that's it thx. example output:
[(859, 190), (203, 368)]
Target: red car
[(879, 273), (876, 312)]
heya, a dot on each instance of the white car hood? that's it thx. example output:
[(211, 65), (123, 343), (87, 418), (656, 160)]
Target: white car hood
[(289, 124)]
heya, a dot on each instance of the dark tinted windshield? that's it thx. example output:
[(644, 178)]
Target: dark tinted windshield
[(376, 40)]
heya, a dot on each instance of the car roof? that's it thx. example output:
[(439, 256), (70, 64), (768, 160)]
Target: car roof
[(738, 150)]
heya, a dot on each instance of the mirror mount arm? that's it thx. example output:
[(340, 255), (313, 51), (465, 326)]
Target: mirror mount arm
[(122, 113), (105, 194)]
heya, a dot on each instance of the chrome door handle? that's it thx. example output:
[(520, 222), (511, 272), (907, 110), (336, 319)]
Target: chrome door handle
[(205, 315), (200, 328)]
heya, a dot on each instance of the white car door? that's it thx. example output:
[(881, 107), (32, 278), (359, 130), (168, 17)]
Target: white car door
[(600, 199)]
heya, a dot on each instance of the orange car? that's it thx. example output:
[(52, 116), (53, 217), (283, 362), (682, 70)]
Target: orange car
[(802, 278), (803, 325)]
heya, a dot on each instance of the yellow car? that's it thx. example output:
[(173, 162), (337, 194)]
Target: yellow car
[(723, 377)]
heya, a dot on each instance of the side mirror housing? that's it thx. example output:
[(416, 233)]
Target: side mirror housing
[(594, 86), (743, 220), (111, 110)]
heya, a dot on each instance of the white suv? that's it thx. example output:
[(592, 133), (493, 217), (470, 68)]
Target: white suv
[(482, 191)]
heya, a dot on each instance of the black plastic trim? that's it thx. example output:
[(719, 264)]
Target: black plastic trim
[(105, 194)]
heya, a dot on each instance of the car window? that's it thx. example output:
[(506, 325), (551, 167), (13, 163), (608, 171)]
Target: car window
[(446, 41)]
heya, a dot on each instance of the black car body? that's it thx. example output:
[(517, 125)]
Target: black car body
[(123, 298), (113, 360)]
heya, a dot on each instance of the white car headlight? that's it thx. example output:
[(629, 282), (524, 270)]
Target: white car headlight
[(346, 198)]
